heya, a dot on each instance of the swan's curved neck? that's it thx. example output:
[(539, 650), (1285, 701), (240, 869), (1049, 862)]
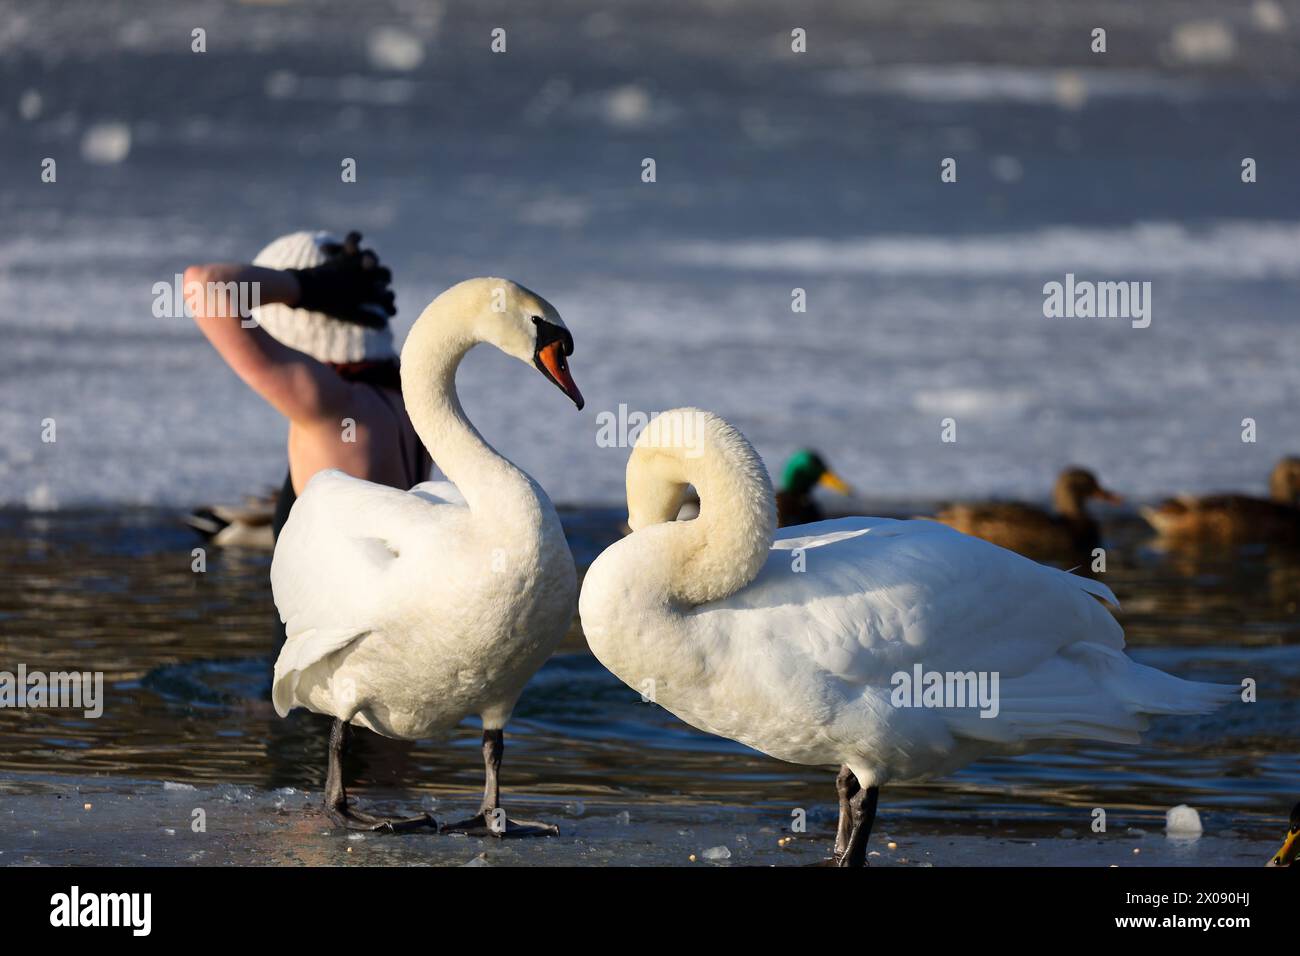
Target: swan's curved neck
[(718, 553), (430, 358)]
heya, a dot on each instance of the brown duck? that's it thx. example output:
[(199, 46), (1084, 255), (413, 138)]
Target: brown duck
[(1236, 518), (1068, 532)]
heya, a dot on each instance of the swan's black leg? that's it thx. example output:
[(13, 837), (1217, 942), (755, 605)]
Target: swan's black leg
[(336, 796), (862, 807), (491, 819), (846, 787)]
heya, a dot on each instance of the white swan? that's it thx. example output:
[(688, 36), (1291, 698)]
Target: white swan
[(792, 645), (407, 611)]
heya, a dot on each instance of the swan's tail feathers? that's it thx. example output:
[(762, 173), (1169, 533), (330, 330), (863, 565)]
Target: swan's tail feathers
[(1146, 690), (299, 653), (1097, 589), (1088, 692)]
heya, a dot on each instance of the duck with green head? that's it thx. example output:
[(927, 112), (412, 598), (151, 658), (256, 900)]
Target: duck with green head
[(804, 471)]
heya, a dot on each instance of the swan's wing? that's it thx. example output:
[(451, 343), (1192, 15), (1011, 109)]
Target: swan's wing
[(877, 594), (338, 566), (439, 493), (878, 597)]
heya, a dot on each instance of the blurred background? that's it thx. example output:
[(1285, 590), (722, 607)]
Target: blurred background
[(775, 170)]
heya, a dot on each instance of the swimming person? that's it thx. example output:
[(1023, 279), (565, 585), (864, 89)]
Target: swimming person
[(320, 352)]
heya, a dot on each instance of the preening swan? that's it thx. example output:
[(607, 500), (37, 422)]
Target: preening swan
[(803, 646), (408, 611)]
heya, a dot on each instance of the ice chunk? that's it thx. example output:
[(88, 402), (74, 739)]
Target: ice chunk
[(1184, 821), (717, 853), (1203, 41), (30, 105), (392, 49), (628, 106), (106, 143)]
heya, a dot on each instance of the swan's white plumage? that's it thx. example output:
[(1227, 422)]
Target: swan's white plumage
[(798, 663), (407, 611), (346, 565)]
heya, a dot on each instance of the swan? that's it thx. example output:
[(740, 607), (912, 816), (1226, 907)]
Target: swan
[(798, 643), (1067, 532), (408, 611)]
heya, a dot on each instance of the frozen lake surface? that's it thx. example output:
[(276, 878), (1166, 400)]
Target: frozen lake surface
[(187, 724), (775, 171)]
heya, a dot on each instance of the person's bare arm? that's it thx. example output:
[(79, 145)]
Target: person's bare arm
[(295, 384)]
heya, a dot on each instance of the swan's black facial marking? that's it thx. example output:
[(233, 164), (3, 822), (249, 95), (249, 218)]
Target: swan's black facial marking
[(548, 332), (554, 343)]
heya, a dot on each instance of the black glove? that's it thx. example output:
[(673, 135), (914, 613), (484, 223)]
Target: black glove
[(350, 285)]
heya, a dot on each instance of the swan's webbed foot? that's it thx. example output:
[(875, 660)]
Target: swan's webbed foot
[(337, 805), (491, 820), (350, 818), (495, 823)]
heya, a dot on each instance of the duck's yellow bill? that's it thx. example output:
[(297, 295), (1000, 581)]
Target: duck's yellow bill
[(834, 482), (1290, 849)]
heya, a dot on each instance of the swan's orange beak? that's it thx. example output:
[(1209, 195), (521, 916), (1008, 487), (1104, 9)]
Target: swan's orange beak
[(551, 361)]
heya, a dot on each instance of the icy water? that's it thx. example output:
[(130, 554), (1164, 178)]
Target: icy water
[(775, 171), (187, 725)]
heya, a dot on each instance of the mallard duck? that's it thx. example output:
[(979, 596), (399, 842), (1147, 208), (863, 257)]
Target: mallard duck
[(1226, 517), (1068, 531), (1291, 846), (804, 471), (247, 525)]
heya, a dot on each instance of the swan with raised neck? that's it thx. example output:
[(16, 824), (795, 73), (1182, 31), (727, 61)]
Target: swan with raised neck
[(486, 310), (406, 612)]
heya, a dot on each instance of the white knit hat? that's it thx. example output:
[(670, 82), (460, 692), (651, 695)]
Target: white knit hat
[(321, 336)]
